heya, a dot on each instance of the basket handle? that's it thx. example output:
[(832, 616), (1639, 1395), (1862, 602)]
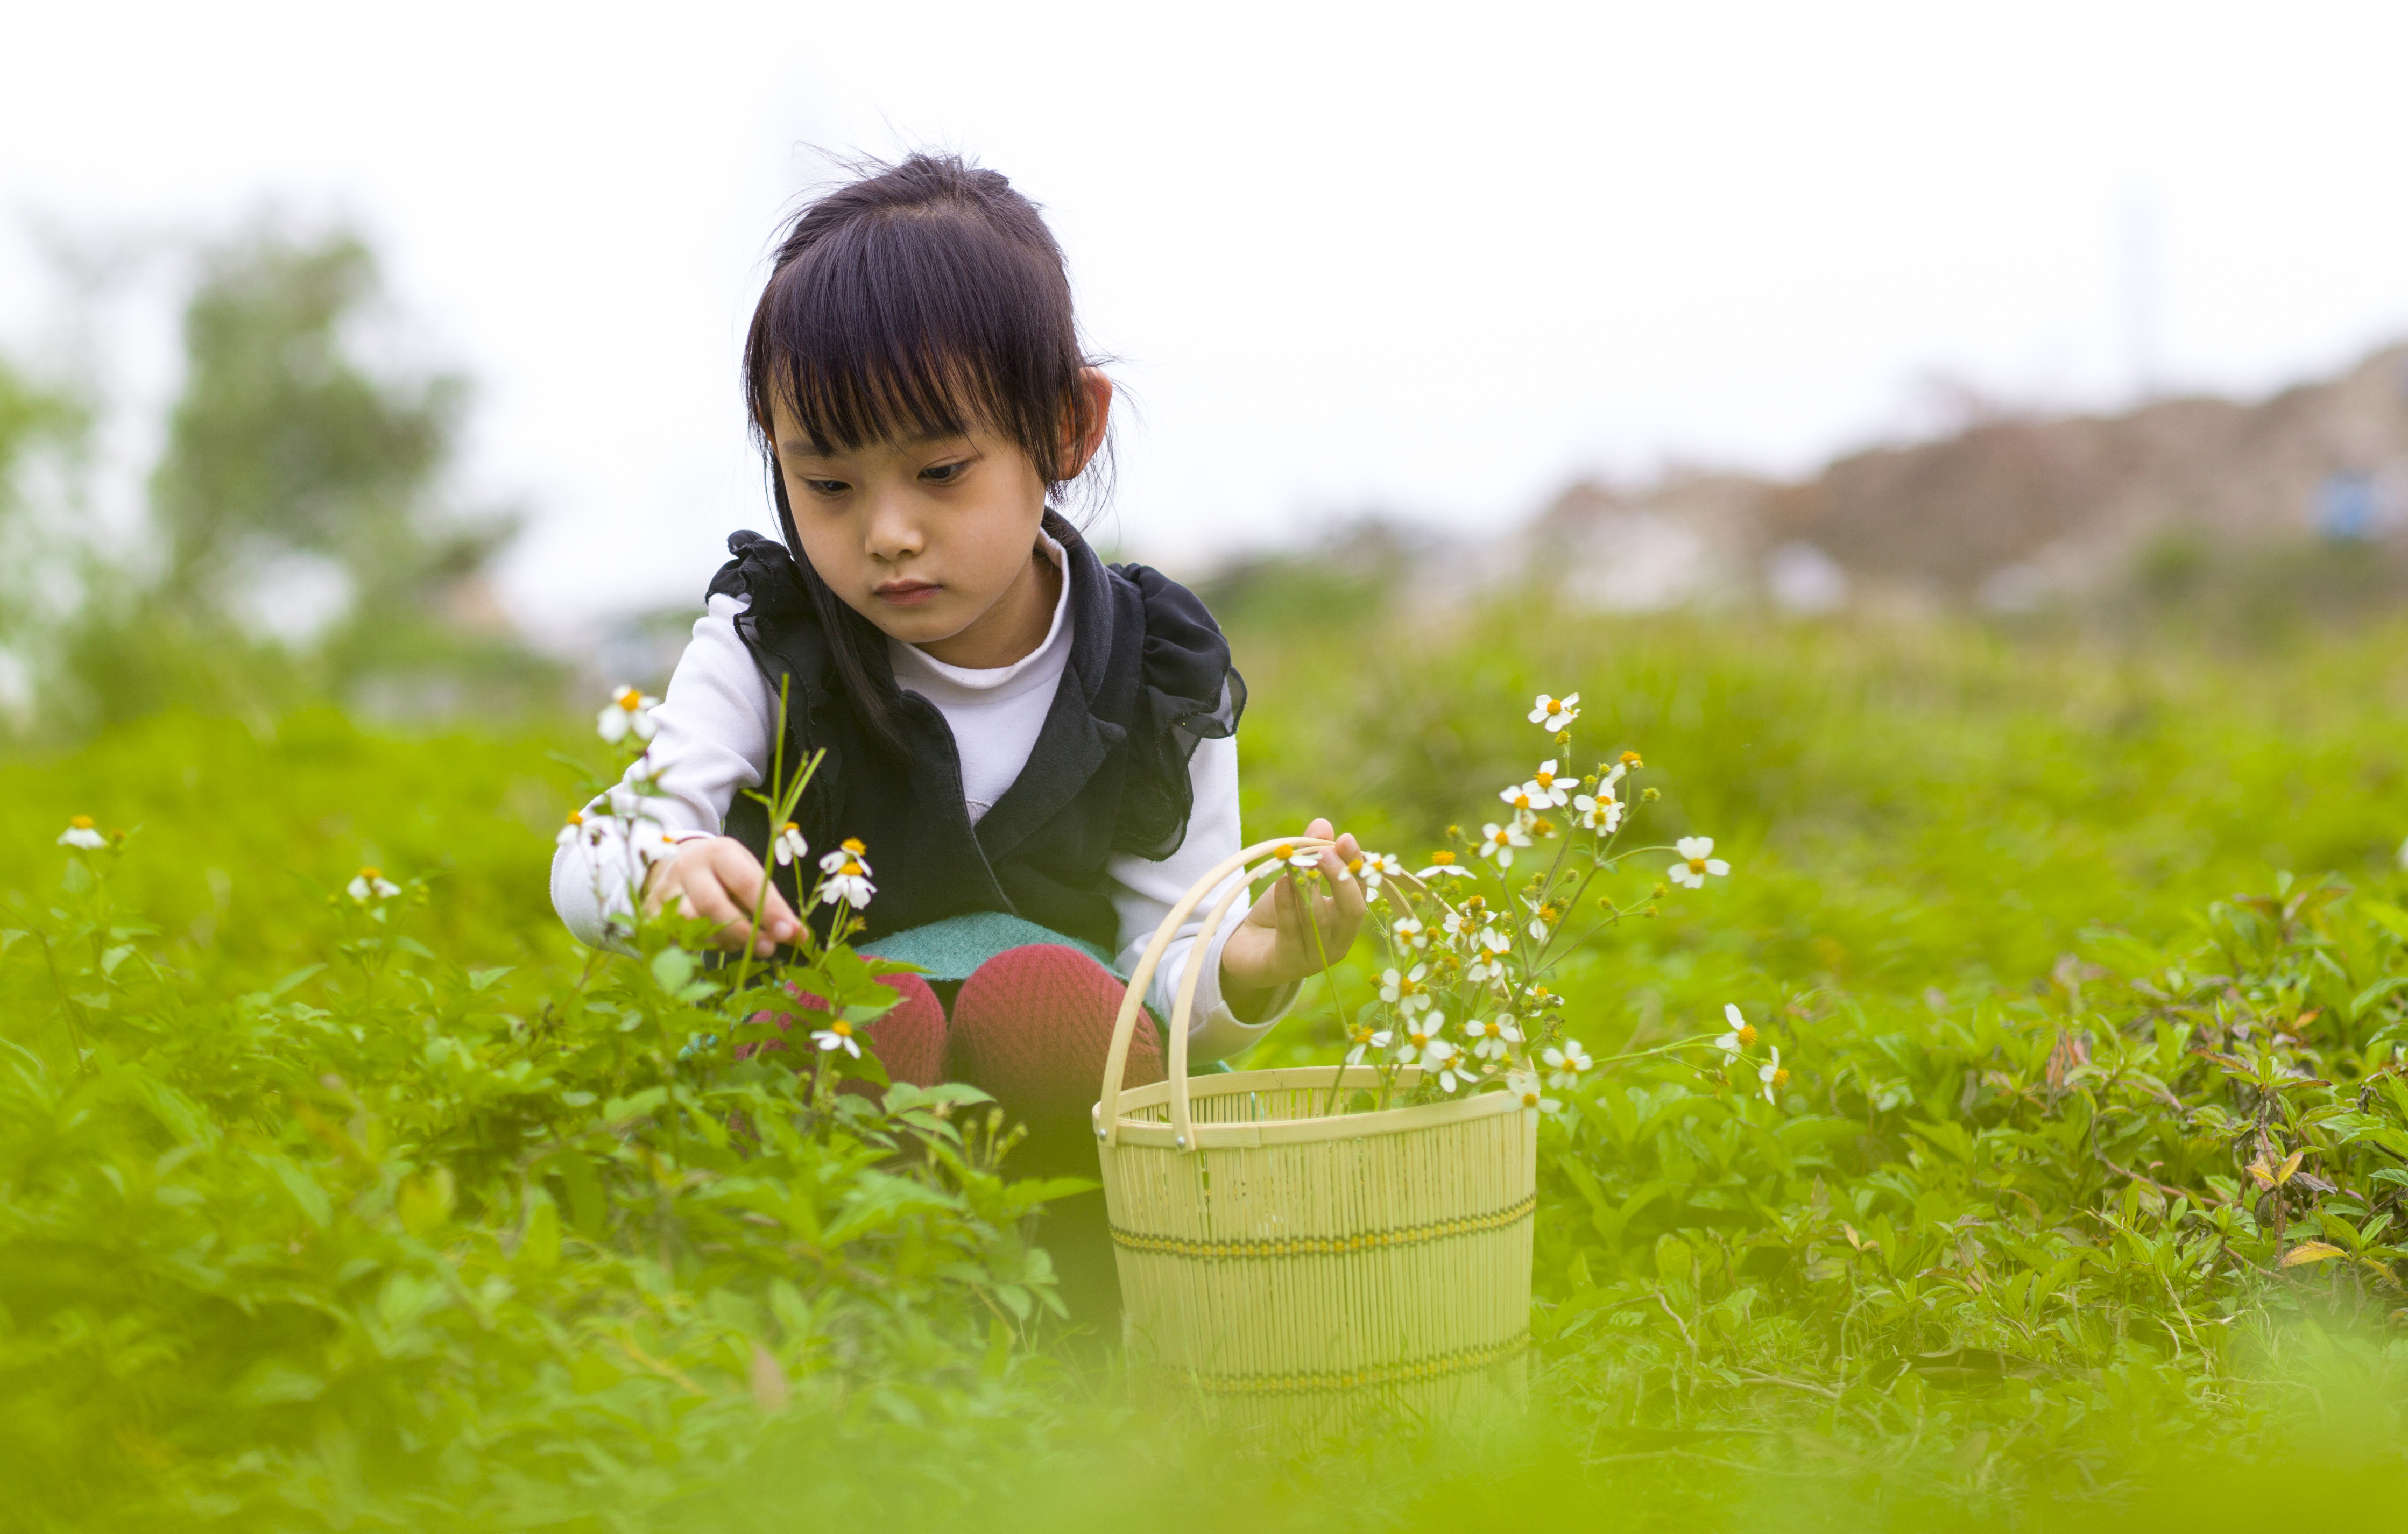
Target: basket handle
[(1108, 1121)]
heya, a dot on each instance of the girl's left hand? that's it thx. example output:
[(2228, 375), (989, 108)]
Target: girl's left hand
[(1275, 945)]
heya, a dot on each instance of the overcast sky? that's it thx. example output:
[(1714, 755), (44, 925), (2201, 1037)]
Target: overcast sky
[(1433, 261)]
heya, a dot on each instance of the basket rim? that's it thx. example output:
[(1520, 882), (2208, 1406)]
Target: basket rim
[(1163, 1134)]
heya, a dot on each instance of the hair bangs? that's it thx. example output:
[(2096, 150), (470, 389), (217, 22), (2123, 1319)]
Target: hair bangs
[(934, 309)]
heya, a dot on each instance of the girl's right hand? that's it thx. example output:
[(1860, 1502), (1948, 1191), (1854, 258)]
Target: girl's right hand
[(718, 879)]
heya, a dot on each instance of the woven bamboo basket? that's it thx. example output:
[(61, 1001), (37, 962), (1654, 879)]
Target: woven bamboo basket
[(1295, 1255)]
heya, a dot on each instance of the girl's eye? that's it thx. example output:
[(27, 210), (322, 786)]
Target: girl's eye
[(943, 473), (826, 487)]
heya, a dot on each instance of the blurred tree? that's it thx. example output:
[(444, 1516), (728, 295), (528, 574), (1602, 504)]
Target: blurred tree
[(305, 546), (37, 422)]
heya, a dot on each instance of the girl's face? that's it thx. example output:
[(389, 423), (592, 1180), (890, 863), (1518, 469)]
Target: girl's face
[(931, 541), (934, 540)]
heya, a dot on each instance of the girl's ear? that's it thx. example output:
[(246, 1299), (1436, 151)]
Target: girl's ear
[(1085, 429)]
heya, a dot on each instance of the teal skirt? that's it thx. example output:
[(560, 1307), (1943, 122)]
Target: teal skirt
[(947, 952)]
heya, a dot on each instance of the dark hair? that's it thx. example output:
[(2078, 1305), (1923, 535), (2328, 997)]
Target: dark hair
[(925, 299)]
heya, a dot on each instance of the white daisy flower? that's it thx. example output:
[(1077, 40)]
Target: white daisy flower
[(1492, 1038), (1411, 933), (1601, 811), (1417, 1035), (1771, 1073), (1452, 1066), (789, 845), (1554, 714), (371, 884), (836, 1035), (1287, 852), (1442, 865), (844, 875), (1544, 914), (1547, 789), (1405, 992), (1498, 841), (82, 832), (1524, 1084), (577, 829), (1695, 862), (1525, 798), (1741, 1037), (1366, 1039), (629, 712), (1373, 869), (1565, 1063)]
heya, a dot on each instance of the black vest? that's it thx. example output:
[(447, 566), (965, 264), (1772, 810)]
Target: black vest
[(1148, 677)]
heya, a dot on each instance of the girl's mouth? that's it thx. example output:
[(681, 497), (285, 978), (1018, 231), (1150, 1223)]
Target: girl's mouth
[(907, 594)]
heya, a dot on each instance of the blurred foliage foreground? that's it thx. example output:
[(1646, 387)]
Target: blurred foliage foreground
[(2083, 1197)]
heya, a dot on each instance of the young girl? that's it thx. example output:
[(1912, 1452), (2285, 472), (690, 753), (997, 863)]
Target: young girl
[(1034, 749)]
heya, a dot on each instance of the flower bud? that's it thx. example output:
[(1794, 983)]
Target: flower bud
[(1650, 795)]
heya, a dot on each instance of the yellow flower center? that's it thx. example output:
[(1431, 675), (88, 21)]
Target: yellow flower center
[(630, 700), (1630, 758), (576, 817), (842, 1028), (1747, 1034), (1554, 706), (1544, 780), (788, 829), (1780, 1077), (81, 822), (854, 846), (371, 873), (1354, 865), (1285, 848), (1544, 826), (1441, 859), (1696, 865), (851, 869)]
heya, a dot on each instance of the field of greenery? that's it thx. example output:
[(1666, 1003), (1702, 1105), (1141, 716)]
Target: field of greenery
[(2082, 1201), (2085, 946)]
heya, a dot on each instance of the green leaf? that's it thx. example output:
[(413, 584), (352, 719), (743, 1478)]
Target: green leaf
[(306, 1193), (672, 968), (2374, 994), (539, 1248), (2386, 914)]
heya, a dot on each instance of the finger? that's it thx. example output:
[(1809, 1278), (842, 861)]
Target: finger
[(744, 878), (1346, 894), (705, 899), (1319, 830)]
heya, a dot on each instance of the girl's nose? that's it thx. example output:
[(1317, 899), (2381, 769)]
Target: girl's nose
[(892, 532)]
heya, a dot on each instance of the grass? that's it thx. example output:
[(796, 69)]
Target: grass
[(1995, 1255)]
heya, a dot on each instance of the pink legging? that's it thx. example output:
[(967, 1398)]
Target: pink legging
[(1030, 1028)]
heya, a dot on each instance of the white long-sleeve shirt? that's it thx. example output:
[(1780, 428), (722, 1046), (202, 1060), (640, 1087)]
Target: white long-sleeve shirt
[(715, 732)]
